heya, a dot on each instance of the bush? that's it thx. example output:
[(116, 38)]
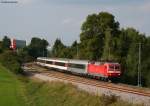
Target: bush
[(108, 100), (11, 61), (24, 56)]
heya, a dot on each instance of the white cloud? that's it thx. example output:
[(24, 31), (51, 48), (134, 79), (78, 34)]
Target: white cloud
[(67, 21), (26, 1), (140, 8), (38, 17), (146, 7)]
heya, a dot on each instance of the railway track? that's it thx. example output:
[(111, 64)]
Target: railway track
[(91, 82)]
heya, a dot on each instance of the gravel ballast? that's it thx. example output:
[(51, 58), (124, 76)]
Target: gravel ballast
[(131, 98)]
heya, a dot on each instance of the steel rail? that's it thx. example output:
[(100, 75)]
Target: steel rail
[(91, 82), (122, 89)]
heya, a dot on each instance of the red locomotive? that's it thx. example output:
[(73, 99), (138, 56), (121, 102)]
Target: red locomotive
[(105, 70)]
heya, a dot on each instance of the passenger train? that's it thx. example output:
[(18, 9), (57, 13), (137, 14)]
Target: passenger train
[(100, 70)]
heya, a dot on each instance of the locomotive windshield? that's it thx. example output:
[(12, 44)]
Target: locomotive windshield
[(117, 67), (113, 67)]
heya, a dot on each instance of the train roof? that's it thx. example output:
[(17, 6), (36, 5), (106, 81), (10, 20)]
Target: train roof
[(53, 59), (75, 61)]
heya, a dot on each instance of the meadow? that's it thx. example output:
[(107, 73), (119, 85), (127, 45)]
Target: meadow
[(18, 90), (10, 89)]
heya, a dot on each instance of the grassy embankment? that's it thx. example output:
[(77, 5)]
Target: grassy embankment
[(10, 89), (22, 91), (60, 94)]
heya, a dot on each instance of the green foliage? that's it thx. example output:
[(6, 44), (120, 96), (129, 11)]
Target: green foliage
[(102, 39), (11, 61), (38, 47), (14, 59), (131, 54), (6, 43), (74, 50), (21, 91), (96, 37), (146, 62), (24, 56), (1, 50), (60, 94), (60, 50), (10, 89), (57, 48), (109, 100)]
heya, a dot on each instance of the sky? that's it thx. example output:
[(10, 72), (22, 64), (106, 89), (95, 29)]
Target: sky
[(51, 19)]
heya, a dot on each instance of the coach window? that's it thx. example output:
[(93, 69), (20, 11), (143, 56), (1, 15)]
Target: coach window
[(38, 60), (59, 64), (80, 66), (48, 62), (41, 61)]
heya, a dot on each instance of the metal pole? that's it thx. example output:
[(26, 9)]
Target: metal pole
[(43, 52), (77, 51), (139, 67), (109, 54)]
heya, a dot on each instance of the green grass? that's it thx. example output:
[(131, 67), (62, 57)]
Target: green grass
[(22, 91), (60, 94), (10, 89)]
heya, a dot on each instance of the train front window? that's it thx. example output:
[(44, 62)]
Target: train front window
[(114, 67), (117, 67), (111, 67)]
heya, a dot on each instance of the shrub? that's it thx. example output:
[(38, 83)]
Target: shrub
[(11, 61), (108, 100)]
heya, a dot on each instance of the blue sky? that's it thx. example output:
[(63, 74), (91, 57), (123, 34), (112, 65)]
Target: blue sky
[(51, 19)]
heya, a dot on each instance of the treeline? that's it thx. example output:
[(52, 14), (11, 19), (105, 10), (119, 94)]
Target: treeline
[(14, 59), (102, 39)]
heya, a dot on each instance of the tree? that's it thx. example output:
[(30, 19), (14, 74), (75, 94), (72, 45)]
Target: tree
[(107, 46), (6, 42), (146, 62), (133, 37), (0, 46), (23, 55), (74, 49), (94, 35), (10, 60), (38, 47), (101, 38), (58, 48)]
